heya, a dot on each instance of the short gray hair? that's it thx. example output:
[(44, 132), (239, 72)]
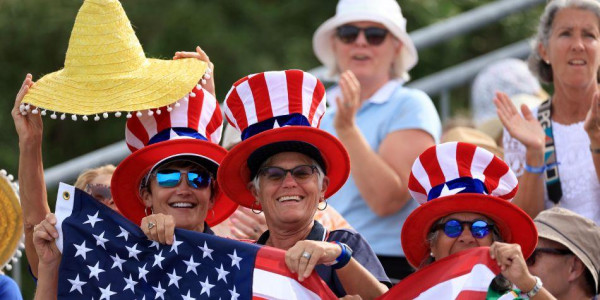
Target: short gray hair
[(320, 173), (536, 64)]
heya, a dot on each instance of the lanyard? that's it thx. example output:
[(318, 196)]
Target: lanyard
[(552, 179)]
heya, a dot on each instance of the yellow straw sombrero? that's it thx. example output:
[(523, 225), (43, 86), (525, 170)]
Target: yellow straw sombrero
[(106, 70), (11, 222)]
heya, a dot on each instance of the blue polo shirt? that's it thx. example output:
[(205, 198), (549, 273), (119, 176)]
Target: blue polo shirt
[(393, 107)]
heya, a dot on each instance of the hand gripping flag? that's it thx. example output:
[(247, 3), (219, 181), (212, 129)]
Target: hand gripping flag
[(105, 256), (464, 275)]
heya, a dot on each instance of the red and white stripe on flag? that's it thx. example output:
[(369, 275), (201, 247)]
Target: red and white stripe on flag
[(465, 275), (273, 280)]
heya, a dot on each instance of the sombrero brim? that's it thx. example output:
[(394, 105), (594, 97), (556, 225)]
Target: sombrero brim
[(125, 184), (514, 225), (11, 221), (234, 174), (157, 83)]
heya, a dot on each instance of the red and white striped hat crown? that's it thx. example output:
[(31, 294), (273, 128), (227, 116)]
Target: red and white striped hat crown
[(196, 116), (268, 100), (456, 168)]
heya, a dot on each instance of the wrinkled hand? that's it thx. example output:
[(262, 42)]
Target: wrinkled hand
[(159, 228), (319, 253), (44, 236), (201, 55), (512, 264), (247, 225), (29, 126), (592, 122), (526, 129), (349, 103)]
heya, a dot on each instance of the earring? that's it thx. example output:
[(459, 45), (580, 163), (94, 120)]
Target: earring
[(547, 62), (254, 210), (431, 254), (146, 211), (318, 206)]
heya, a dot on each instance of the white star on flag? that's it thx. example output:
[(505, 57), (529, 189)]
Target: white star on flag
[(92, 220), (173, 279), (188, 297), (176, 244), (95, 271), (154, 244), (235, 260), (76, 284), (222, 274), (206, 286), (133, 251), (81, 250), (191, 265), (106, 293), (130, 284), (160, 292), (124, 233), (100, 240), (117, 262), (142, 273), (206, 251), (234, 294), (158, 260)]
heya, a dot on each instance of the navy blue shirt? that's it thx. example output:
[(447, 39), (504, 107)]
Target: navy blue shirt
[(361, 252)]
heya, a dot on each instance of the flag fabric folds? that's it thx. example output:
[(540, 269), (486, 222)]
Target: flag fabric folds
[(464, 275), (105, 256)]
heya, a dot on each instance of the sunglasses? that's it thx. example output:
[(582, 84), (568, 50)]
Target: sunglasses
[(531, 260), (349, 33), (454, 228), (100, 192), (198, 179), (276, 174)]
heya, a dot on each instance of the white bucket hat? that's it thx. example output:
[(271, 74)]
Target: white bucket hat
[(386, 12)]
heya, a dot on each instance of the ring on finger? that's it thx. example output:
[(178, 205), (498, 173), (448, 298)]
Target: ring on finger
[(151, 225), (306, 255)]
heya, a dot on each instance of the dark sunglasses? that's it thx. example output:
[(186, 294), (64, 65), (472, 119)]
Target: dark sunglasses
[(454, 228), (276, 174), (172, 178), (531, 260), (100, 192), (349, 33)]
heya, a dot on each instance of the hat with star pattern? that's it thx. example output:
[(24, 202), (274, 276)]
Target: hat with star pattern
[(460, 177), (189, 130), (278, 111)]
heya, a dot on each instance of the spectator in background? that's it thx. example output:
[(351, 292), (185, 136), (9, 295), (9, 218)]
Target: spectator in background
[(567, 257), (558, 160), (96, 182), (245, 224), (510, 76), (383, 125)]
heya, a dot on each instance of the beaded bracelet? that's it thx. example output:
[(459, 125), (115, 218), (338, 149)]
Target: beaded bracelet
[(535, 170)]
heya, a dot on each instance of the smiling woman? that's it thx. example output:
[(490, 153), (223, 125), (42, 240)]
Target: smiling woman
[(287, 167)]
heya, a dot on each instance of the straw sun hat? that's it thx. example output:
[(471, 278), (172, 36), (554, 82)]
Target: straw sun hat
[(106, 70), (11, 222)]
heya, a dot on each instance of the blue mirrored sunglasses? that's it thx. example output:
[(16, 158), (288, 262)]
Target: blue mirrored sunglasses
[(172, 178), (454, 228)]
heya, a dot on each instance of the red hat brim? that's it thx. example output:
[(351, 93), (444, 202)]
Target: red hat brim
[(514, 225), (126, 180), (234, 174)]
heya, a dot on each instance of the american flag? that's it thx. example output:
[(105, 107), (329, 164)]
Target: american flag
[(105, 256), (465, 275)]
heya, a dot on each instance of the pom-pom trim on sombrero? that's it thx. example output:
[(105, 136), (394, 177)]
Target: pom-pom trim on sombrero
[(11, 222), (106, 71)]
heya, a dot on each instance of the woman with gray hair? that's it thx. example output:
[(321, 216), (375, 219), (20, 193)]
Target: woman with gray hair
[(561, 138), (373, 115)]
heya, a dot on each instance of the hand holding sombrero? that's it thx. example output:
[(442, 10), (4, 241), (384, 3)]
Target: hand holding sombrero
[(106, 70)]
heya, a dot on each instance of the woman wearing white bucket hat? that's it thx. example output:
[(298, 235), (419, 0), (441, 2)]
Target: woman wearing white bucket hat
[(373, 115)]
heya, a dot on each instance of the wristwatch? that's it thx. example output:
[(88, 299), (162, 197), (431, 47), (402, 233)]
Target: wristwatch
[(536, 288)]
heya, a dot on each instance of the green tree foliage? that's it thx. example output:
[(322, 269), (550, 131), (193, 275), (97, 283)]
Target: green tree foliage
[(241, 37)]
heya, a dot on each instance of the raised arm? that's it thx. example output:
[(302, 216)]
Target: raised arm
[(44, 236), (381, 176), (528, 131), (32, 188)]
